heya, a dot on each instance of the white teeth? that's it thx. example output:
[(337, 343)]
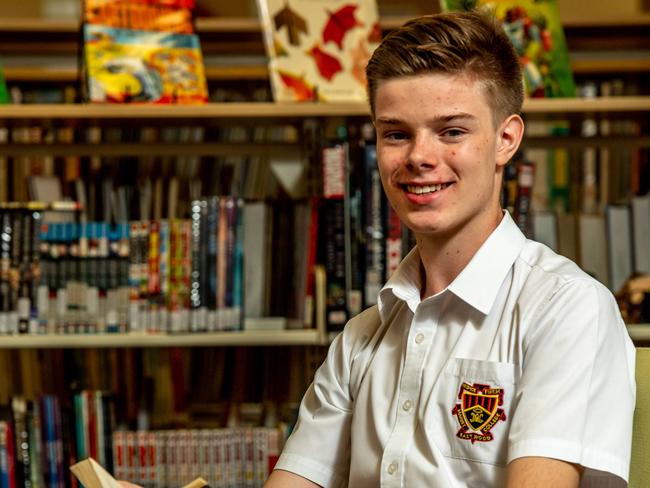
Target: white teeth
[(419, 190)]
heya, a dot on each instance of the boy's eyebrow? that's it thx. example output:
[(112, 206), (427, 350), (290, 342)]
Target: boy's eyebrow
[(437, 118)]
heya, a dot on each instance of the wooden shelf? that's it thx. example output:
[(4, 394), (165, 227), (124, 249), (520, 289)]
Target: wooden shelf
[(243, 338), (252, 24), (638, 332), (210, 111)]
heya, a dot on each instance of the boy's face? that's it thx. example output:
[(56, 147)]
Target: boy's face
[(439, 153)]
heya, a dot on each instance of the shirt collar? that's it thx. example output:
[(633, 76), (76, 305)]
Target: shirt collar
[(477, 284), (405, 284), (480, 281)]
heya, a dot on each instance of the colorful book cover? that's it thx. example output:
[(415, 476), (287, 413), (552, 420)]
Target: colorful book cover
[(534, 28), (129, 65), (318, 51)]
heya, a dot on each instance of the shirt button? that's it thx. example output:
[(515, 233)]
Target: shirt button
[(392, 468), (419, 338), (406, 406)]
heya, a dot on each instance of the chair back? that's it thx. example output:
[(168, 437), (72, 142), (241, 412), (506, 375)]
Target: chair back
[(640, 462)]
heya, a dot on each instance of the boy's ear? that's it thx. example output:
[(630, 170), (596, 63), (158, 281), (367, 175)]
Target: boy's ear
[(509, 137)]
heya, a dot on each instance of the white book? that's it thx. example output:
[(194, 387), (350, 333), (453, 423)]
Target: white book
[(593, 246), (545, 229), (641, 233), (619, 239), (257, 223), (567, 239)]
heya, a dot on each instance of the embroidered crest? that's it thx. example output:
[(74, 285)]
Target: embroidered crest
[(478, 411)]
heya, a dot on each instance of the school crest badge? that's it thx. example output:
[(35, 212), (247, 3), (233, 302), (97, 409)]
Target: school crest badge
[(478, 411)]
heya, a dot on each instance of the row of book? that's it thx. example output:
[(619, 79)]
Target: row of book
[(363, 238), (162, 388), (155, 276), (126, 187), (228, 458), (34, 447), (588, 203), (40, 438), (608, 238)]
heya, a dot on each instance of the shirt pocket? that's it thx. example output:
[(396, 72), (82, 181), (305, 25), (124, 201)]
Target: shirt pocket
[(470, 418)]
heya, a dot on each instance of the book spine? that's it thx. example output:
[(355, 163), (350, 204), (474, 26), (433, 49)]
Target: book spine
[(238, 267), (164, 275), (5, 266), (222, 263), (334, 161), (134, 277), (119, 455), (4, 455), (21, 441), (375, 228), (394, 242), (153, 264), (523, 215), (196, 294), (36, 453), (212, 230)]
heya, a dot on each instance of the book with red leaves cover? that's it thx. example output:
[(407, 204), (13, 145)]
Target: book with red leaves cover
[(318, 51)]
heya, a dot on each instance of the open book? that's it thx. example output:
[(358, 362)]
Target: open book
[(93, 475)]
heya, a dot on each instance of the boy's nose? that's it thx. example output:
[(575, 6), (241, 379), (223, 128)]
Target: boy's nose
[(422, 154)]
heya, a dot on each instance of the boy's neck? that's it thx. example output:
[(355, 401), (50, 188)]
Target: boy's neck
[(444, 257)]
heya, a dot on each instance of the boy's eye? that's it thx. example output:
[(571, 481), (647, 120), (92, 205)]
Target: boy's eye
[(395, 136), (453, 133)]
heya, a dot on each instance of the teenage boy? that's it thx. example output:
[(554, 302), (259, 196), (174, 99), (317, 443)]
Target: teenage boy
[(489, 360)]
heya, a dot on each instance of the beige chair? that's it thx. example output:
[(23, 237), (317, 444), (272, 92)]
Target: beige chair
[(640, 464)]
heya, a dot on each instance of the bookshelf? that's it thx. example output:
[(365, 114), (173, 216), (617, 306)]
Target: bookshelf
[(44, 52)]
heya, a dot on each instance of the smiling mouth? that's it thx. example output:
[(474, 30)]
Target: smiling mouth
[(425, 189)]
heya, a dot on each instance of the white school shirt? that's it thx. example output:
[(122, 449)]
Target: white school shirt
[(523, 354)]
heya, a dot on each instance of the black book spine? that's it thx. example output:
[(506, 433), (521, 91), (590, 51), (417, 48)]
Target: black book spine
[(334, 162)]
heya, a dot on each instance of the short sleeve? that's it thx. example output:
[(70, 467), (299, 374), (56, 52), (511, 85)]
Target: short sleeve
[(576, 395), (319, 446)]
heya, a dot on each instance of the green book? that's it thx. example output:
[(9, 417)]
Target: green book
[(4, 94), (534, 28)]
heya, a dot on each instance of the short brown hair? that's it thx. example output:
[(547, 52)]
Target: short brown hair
[(452, 43)]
